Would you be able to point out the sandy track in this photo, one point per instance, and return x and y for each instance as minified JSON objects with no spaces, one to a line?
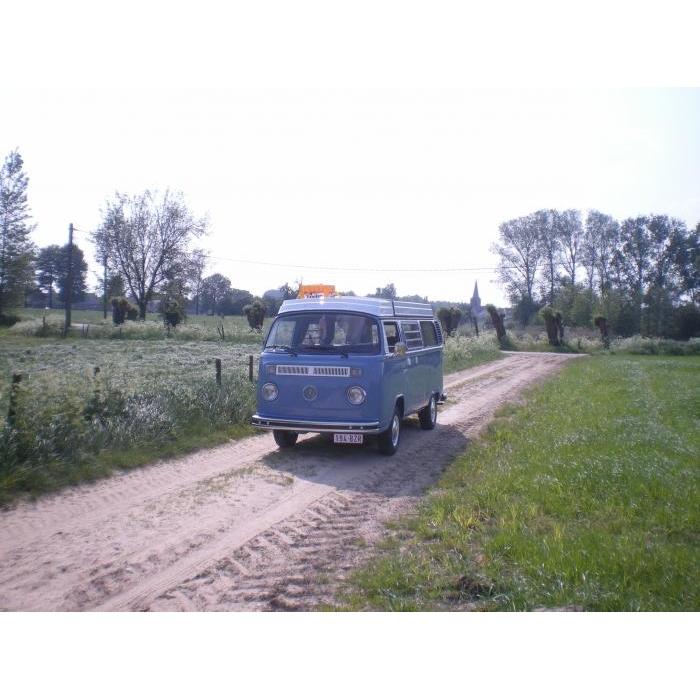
{"x":242,"y":526}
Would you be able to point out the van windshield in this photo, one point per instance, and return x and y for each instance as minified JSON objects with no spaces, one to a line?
{"x":325,"y":332}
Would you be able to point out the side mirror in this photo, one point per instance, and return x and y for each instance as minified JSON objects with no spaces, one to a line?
{"x":400,"y":349}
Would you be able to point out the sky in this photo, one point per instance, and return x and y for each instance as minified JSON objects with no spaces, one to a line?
{"x":318,"y":154}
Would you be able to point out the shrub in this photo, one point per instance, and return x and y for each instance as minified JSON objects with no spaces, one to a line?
{"x":173,"y":312}
{"x":637,"y":345}
{"x":255,"y":313}
{"x":122,"y":310}
{"x":8,"y":320}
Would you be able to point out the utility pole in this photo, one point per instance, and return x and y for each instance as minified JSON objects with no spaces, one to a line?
{"x":104,"y":279}
{"x":69,"y":282}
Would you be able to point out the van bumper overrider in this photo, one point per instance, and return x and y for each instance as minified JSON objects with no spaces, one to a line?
{"x":315,"y":426}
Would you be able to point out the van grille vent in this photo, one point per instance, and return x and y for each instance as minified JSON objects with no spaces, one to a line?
{"x":313,"y":371}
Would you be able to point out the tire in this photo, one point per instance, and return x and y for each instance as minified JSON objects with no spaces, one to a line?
{"x":285,"y":439}
{"x":428,"y":415}
{"x":390,"y":438}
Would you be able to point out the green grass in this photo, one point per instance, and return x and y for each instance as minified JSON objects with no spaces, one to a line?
{"x":90,"y":324}
{"x":585,"y":497}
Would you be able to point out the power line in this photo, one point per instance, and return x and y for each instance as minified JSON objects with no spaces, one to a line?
{"x":352,"y":269}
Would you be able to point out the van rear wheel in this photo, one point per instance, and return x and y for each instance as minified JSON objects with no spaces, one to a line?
{"x":428,"y":415}
{"x":389,"y":439}
{"x":285,"y":439}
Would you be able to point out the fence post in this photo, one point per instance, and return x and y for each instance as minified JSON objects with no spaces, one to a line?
{"x":14,"y":392}
{"x":217,"y":363}
{"x":250,"y":368}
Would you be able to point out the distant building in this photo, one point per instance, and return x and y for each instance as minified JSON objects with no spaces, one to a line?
{"x":475,"y":302}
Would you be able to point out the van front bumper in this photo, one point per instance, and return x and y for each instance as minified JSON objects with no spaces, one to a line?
{"x":315,"y":426}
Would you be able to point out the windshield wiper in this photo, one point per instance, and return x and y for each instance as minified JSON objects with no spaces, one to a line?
{"x":286,"y":348}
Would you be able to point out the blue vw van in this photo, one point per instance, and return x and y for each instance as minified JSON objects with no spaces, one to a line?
{"x":350,"y":366}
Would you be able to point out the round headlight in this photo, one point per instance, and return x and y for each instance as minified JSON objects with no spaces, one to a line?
{"x":269,"y":392}
{"x":356,"y":395}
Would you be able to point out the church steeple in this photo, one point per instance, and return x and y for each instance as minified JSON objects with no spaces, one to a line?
{"x":475,"y":300}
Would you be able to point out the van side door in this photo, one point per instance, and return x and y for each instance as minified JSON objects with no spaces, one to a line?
{"x":395,"y":372}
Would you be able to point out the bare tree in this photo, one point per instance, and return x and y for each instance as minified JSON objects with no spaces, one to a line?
{"x":146,"y":237}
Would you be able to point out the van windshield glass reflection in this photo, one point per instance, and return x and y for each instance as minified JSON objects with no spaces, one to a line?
{"x":325,"y":333}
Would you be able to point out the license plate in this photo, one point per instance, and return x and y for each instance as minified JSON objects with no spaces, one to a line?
{"x":348,"y":438}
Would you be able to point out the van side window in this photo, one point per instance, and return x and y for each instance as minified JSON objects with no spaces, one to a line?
{"x":429,"y":336}
{"x":391,"y":329}
{"x":411,"y":332}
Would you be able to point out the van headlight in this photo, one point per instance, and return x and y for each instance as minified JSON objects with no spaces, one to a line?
{"x":269,"y":391}
{"x":356,"y":395}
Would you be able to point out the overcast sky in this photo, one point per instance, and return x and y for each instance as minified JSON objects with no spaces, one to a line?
{"x":315,"y":140}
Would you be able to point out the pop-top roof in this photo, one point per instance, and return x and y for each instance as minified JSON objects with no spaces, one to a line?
{"x":366,"y":305}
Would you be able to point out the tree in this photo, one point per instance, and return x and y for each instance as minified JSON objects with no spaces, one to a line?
{"x":497,"y":319}
{"x":520,"y":252}
{"x":16,"y":248}
{"x":388,"y":292}
{"x":550,"y":248}
{"x":196,"y":265}
{"x":449,"y":318}
{"x":569,"y":233}
{"x":599,"y":242}
{"x":145,"y":237}
{"x":78,"y":273}
{"x":48,"y":269}
{"x":215,"y":290}
{"x":115,"y":286}
{"x":236,"y":301}
{"x":633,"y":259}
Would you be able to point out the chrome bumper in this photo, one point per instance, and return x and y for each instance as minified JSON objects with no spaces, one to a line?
{"x":314,"y":426}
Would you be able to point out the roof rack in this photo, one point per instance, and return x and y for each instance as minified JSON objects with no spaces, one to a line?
{"x":387,"y":308}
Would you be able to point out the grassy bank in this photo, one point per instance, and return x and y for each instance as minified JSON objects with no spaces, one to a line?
{"x":463,"y":352}
{"x":585,"y":497}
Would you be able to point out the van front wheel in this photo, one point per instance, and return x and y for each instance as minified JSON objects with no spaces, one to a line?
{"x":389,"y":439}
{"x":285,"y":439}
{"x":428,"y":415}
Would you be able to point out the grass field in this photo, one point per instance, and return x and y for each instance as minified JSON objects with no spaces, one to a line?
{"x":585,"y":497}
{"x":90,"y":324}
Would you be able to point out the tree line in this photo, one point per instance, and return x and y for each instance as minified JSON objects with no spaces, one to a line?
{"x":641,"y":274}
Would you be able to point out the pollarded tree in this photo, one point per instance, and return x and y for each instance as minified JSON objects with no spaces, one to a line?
{"x":16,"y":248}
{"x":145,"y":237}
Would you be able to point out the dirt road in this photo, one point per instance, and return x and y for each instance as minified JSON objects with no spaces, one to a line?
{"x":242,"y":526}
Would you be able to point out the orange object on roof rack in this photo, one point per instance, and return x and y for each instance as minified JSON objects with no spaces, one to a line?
{"x":313,"y":291}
